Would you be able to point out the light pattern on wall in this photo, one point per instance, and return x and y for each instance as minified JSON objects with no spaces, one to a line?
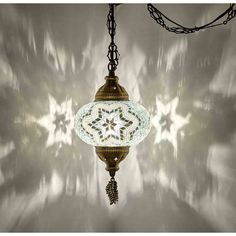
{"x":167,"y":122}
{"x":59,"y":122}
{"x":42,"y":193}
{"x":5,"y":150}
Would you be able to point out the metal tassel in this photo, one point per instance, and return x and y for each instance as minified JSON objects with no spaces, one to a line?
{"x":112,"y":191}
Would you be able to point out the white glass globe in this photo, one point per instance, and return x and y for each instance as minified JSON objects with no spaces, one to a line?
{"x":112,"y":123}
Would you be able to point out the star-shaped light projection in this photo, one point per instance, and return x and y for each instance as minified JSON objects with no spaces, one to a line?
{"x":167,"y":122}
{"x":59,"y":122}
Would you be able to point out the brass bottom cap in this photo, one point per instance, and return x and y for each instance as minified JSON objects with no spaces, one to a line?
{"x":112,"y":156}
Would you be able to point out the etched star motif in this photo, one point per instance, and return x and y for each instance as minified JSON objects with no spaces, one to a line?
{"x":110,"y":124}
{"x":59,"y":122}
{"x":167,"y":122}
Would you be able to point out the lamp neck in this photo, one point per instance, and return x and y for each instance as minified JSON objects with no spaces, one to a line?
{"x":111,"y":91}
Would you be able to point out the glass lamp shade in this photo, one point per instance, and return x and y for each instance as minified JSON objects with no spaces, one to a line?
{"x":112,"y":123}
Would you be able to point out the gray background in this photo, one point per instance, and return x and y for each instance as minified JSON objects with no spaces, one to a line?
{"x":57,"y":54}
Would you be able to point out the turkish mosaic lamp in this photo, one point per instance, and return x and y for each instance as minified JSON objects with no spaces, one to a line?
{"x":112,"y":123}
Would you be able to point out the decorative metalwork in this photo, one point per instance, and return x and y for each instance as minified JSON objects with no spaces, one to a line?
{"x":112,"y":156}
{"x":160,"y":18}
{"x":113,"y":54}
{"x":111,"y":90}
{"x":112,"y":191}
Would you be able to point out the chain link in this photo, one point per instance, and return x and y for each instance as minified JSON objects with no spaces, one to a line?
{"x":160,"y":18}
{"x":113,"y":54}
{"x":231,"y":14}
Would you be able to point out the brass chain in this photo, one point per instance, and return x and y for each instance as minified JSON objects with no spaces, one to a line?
{"x":113,"y":54}
{"x":160,"y":18}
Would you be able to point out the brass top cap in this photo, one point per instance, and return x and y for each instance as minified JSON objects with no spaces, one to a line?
{"x":111,"y":90}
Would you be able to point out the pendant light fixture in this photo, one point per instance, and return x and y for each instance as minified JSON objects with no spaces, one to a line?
{"x":112,"y":123}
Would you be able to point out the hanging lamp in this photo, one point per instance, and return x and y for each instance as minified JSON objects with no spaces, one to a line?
{"x":112,"y":123}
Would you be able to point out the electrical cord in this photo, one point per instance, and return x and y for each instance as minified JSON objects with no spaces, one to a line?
{"x":160,"y":18}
